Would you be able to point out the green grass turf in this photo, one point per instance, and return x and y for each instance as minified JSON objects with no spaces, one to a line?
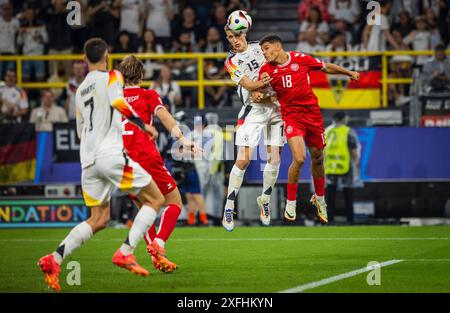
{"x":212,"y":260}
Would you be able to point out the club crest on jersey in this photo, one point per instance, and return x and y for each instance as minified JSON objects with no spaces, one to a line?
{"x":289,"y":130}
{"x":294,"y":67}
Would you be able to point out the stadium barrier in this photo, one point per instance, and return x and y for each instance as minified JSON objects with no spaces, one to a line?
{"x":201,"y":82}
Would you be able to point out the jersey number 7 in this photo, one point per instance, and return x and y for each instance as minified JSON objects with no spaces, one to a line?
{"x":90,"y":102}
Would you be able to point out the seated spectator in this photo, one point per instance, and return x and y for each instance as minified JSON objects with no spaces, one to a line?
{"x":168,"y":90}
{"x":124,"y":44}
{"x":188,"y":23}
{"x":310,"y":43}
{"x":58,"y":76}
{"x":48,"y":113}
{"x":158,"y":16}
{"x":214,"y":69}
{"x":315,"y":22}
{"x":32,"y":38}
{"x":436,"y":72}
{"x":78,"y":75}
{"x":219,"y":20}
{"x":9,"y":26}
{"x":59,"y":34}
{"x":184,"y":69}
{"x":304,"y":7}
{"x":404,"y":24}
{"x":149,"y":45}
{"x":341,"y":26}
{"x":346,"y":10}
{"x":233,"y":5}
{"x":338,"y":44}
{"x":13,"y":100}
{"x":131,"y":18}
{"x":420,"y":39}
{"x":102,"y":16}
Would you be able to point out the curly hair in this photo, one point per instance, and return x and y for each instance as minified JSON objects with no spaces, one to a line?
{"x":132,"y":69}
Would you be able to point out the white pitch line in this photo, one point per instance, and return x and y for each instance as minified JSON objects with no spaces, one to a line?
{"x":252,"y":239}
{"x":333,"y":279}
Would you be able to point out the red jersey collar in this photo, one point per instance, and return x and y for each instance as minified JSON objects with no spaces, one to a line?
{"x":287,"y":62}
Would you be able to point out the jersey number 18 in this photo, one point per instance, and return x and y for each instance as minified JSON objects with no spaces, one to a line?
{"x":287,"y":81}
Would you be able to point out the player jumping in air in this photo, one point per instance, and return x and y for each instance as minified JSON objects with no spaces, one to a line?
{"x":141,"y":148}
{"x":300,"y":109}
{"x":243,"y":64}
{"x":100,"y":103}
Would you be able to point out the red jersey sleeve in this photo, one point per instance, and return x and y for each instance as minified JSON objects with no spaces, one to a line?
{"x":154,"y":102}
{"x":311,"y":63}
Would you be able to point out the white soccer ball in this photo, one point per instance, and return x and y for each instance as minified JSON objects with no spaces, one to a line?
{"x":239,"y":21}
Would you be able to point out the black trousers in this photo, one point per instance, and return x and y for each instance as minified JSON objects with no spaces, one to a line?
{"x":331,"y":202}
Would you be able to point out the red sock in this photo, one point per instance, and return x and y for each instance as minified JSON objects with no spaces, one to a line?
{"x":150,"y":235}
{"x":168,"y":221}
{"x":292,"y":191}
{"x":319,"y":185}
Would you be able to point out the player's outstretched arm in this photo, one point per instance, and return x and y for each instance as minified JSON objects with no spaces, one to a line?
{"x":331,"y":68}
{"x":171,"y":126}
{"x":251,"y":85}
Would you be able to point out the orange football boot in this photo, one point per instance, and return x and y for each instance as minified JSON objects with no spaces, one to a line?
{"x":129,"y":262}
{"x":159,"y":259}
{"x":51,"y":270}
{"x":203,"y":219}
{"x":191,"y":218}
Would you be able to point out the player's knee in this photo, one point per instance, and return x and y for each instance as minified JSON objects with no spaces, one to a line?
{"x":299,"y":160}
{"x":318,"y":160}
{"x":98,"y":223}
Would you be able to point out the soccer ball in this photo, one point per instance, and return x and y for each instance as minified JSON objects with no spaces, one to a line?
{"x":239,"y":21}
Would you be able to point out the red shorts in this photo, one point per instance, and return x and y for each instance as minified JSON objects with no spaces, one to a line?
{"x":306,"y":122}
{"x":155,"y":166}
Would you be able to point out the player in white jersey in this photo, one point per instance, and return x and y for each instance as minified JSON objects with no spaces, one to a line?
{"x":243,"y":64}
{"x":99,"y":101}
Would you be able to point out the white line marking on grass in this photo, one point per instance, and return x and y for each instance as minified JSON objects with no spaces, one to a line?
{"x":333,"y":279}
{"x":251,"y":239}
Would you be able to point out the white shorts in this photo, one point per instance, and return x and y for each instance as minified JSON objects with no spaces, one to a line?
{"x":254,"y":119}
{"x":99,"y":179}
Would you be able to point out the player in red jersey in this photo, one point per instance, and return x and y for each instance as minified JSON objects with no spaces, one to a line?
{"x":141,"y":148}
{"x":301,"y":115}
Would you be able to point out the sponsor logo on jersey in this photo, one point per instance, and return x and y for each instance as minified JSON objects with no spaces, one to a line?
{"x":240,"y":62}
{"x":294,"y":67}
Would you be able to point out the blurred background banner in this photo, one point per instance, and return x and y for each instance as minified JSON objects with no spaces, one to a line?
{"x":387,"y":154}
{"x":17,"y":152}
{"x":66,"y":145}
{"x":337,"y":92}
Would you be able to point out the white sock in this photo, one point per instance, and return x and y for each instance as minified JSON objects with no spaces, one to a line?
{"x":77,"y":236}
{"x":320,"y":197}
{"x":234,"y":184}
{"x":291,"y":203}
{"x":143,"y":220}
{"x":269,"y":179}
{"x":160,"y":242}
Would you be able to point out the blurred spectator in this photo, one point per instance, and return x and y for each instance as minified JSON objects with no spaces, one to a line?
{"x":346,"y":10}
{"x":131,"y":18}
{"x":436,"y":72}
{"x":420,"y":39}
{"x":59,"y":34}
{"x":13,"y":100}
{"x":305,"y":6}
{"x":48,"y":113}
{"x":102,"y":15}
{"x":168,"y":90}
{"x":433,"y":28}
{"x":203,"y":10}
{"x":9,"y":26}
{"x":58,"y":76}
{"x":338,"y":44}
{"x":233,"y":5}
{"x":32,"y":37}
{"x":310,"y":43}
{"x":184,"y":69}
{"x":189,"y":24}
{"x":159,"y":14}
{"x":78,"y":75}
{"x":214,"y":68}
{"x":375,"y":36}
{"x":123,"y":44}
{"x":400,"y":67}
{"x":410,"y":6}
{"x":404,"y":24}
{"x":341,"y":26}
{"x":149,"y":45}
{"x":315,"y":22}
{"x":80,"y":33}
{"x":219,"y":20}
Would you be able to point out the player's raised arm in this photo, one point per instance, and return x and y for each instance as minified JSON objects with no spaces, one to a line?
{"x":331,"y":68}
{"x":240,"y":78}
{"x":118,"y":102}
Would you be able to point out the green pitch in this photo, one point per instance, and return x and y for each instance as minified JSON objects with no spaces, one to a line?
{"x":250,"y":259}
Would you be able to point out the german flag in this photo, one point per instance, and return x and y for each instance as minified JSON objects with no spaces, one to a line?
{"x":338,"y":92}
{"x":17,"y":153}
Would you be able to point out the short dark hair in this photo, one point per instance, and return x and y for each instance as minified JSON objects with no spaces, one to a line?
{"x":439,"y":47}
{"x":271,"y":38}
{"x":339,"y":116}
{"x":95,"y":49}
